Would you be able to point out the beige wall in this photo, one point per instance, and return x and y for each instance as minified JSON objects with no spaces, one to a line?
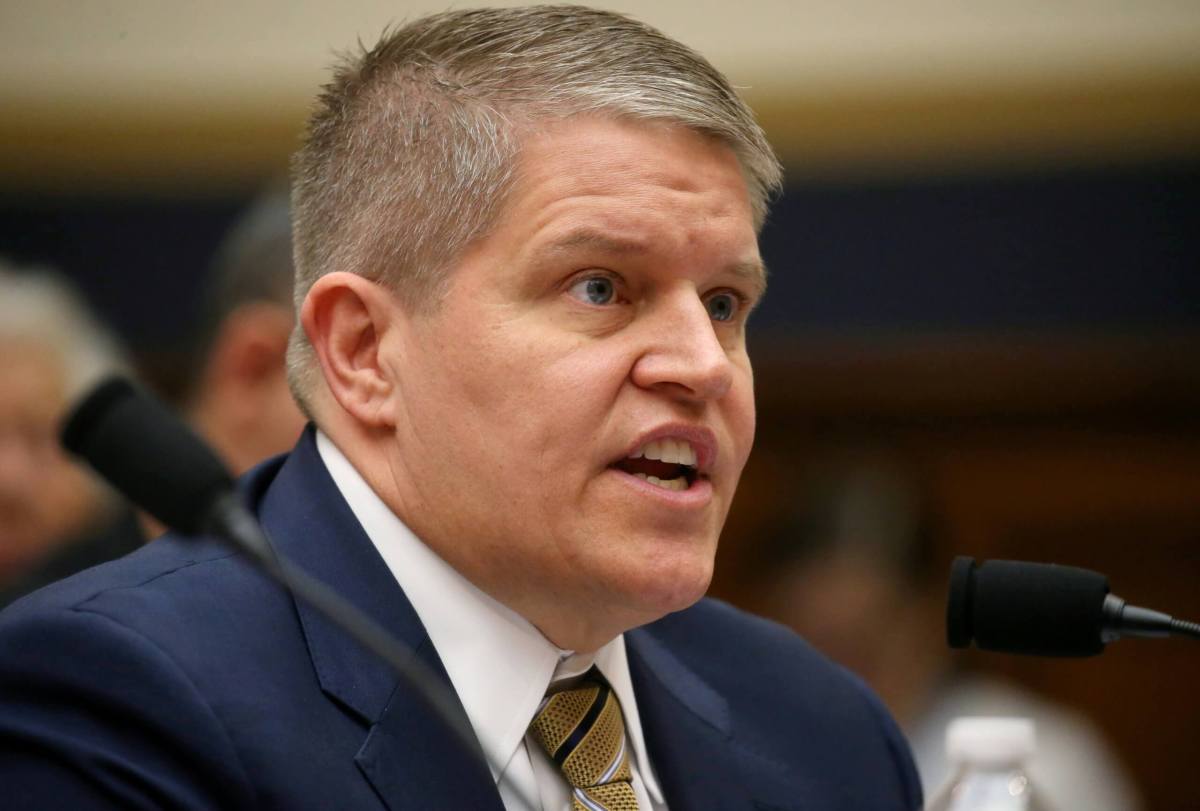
{"x":211,"y":94}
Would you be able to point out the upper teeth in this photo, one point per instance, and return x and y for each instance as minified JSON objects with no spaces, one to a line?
{"x":672,"y":451}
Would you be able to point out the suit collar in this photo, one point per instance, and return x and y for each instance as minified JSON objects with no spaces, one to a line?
{"x":499,"y":663}
{"x":310,"y":524}
{"x":687,"y":728}
{"x":408,"y":756}
{"x":691,"y":736}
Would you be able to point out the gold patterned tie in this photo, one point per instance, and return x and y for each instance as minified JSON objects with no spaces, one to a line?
{"x":582,"y":731}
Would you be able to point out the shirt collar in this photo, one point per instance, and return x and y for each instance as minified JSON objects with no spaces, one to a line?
{"x":613,"y":664}
{"x":499,"y":663}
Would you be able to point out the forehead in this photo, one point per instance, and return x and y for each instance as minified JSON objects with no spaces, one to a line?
{"x":591,"y":154}
{"x":631,"y":188}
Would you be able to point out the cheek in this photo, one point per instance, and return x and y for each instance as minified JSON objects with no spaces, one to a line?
{"x":567,"y":410}
{"x":580,"y":387}
{"x":740,"y":415}
{"x":554,"y":378}
{"x":525,"y":403}
{"x":495,"y":412}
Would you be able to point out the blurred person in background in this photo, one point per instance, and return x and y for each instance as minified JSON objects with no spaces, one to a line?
{"x":857,"y":574}
{"x":51,"y":351}
{"x":236,"y":397}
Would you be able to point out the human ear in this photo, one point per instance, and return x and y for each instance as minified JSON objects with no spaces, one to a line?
{"x":348,"y":319}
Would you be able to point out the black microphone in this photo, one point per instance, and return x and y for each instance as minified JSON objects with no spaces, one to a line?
{"x":147,"y":453}
{"x":142,"y":449}
{"x":1044,"y":609}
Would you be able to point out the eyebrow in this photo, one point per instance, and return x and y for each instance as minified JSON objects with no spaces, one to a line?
{"x":587,"y":238}
{"x":751,"y":270}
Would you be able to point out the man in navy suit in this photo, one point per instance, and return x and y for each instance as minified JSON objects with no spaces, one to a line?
{"x":526,"y":249}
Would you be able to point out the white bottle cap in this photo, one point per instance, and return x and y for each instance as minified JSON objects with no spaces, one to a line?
{"x":990,"y":741}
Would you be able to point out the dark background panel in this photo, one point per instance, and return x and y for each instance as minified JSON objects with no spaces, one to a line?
{"x":138,"y":261}
{"x":1098,"y":249}
{"x":1094,"y":249}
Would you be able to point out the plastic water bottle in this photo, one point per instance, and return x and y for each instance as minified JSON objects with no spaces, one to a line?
{"x":988,"y":757}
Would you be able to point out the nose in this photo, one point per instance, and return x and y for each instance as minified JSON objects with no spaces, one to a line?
{"x":683,"y":356}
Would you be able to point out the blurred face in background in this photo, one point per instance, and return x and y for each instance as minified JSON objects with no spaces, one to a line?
{"x":44,"y":497}
{"x":244,"y":407}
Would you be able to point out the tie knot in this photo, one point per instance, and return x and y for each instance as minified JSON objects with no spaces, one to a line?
{"x":582,"y":731}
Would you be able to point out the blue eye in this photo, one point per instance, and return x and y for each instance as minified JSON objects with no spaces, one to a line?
{"x":597,"y":290}
{"x":722,"y":306}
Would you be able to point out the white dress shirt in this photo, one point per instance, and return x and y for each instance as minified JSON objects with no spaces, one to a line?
{"x":499,"y":663}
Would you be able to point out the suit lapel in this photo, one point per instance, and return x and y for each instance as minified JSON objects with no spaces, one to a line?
{"x":693,"y":743}
{"x":688,"y":730}
{"x":413,"y":761}
{"x":408,"y":756}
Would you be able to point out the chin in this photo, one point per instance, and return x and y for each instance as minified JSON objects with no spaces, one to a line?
{"x":671,"y":585}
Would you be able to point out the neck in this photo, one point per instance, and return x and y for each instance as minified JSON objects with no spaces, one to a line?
{"x":579,"y":639}
{"x":566,"y":620}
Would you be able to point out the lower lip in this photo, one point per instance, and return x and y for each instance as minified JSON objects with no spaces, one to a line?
{"x":697,"y":495}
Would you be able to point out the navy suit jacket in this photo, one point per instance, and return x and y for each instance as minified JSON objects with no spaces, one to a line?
{"x":179,"y":677}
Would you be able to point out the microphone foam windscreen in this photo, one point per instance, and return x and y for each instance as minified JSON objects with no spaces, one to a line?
{"x":1033,"y":608}
{"x":143,"y":450}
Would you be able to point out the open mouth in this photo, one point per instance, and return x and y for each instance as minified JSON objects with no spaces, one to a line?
{"x":666,"y":463}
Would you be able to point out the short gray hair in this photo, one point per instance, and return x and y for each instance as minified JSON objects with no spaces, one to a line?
{"x":411,"y":149}
{"x":41,"y":308}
